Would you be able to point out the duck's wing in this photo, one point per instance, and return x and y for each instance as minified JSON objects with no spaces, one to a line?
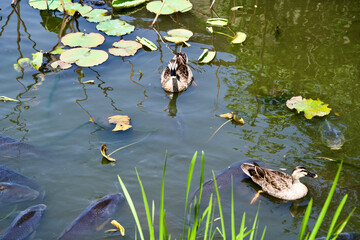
{"x":166,"y":74}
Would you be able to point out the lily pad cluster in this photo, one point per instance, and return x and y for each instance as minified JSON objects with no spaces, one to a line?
{"x":310,"y":107}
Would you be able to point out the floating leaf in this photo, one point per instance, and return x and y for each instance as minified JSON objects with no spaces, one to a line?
{"x":97,"y":15}
{"x":7,"y":99}
{"x":103,"y":150}
{"x":60,"y":64}
{"x":170,"y":6}
{"x":310,"y":107}
{"x":45,"y":4}
{"x":122,"y":122}
{"x":237,"y":8}
{"x":72,"y":8}
{"x":147,"y":43}
{"x":89,"y":82}
{"x":239,"y":38}
{"x":37,"y":60}
{"x":178,"y":35}
{"x":23,"y":63}
{"x":125,"y":48}
{"x":115,"y":27}
{"x":58,"y":50}
{"x":207,"y":56}
{"x":84,"y":57}
{"x":210,"y":29}
{"x":121,"y":4}
{"x":218,"y":22}
{"x":118,"y":226}
{"x":80,"y":39}
{"x":233,"y":117}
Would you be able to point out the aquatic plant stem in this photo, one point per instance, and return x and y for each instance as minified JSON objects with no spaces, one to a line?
{"x":218,"y":129}
{"x":129,"y":145}
{"x":157,"y":15}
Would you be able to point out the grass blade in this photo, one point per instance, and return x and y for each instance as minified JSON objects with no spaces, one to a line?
{"x":305,"y":219}
{"x":132,"y":207}
{"x":146,"y":206}
{"x":336,"y":216}
{"x":220,"y":209}
{"x":232,"y":210}
{"x":161,"y":220}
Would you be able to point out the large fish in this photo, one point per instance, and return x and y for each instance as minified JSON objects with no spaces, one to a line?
{"x":12,"y":149}
{"x":331,"y":136}
{"x":10,"y":176}
{"x":93,"y":218}
{"x":345,"y":236}
{"x":13,"y":193}
{"x":25,"y":224}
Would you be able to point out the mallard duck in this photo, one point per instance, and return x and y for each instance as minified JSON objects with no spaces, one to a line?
{"x":279,"y":184}
{"x":177,"y":76}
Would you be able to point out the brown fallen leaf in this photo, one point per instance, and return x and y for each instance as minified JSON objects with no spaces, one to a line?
{"x":122,"y":122}
{"x":118,"y":226}
{"x":103,"y":150}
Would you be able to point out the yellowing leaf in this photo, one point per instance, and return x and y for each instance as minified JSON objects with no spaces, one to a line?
{"x":122,"y":122}
{"x":310,"y":107}
{"x":233,"y":117}
{"x":103,"y":150}
{"x":5,"y":99}
{"x":118,"y":226}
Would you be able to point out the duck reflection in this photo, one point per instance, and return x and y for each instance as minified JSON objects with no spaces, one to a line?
{"x":172,"y":109}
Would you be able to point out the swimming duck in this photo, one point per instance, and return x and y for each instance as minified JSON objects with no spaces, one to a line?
{"x":177,"y":76}
{"x":279,"y":184}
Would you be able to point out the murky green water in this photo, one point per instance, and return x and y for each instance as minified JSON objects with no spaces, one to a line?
{"x":315,"y":54}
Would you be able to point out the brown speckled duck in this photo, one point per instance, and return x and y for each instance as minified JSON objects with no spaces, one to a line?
{"x":279,"y":184}
{"x":177,"y":76}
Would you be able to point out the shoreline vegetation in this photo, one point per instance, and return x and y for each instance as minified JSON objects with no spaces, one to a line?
{"x":201,"y":224}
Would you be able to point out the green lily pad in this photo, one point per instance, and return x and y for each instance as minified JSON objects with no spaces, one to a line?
{"x":310,"y":107}
{"x":147,"y":43}
{"x":115,"y":27}
{"x":97,"y":15}
{"x":207,"y":56}
{"x":58,"y":50}
{"x":7,"y":99}
{"x":170,"y":6}
{"x":121,"y":4}
{"x":125,"y":48}
{"x":37,"y":60}
{"x":60,"y":64}
{"x":239,"y":38}
{"x":84,"y":57}
{"x":218,"y":22}
{"x":23,"y":63}
{"x":178,"y":35}
{"x":42,"y":5}
{"x":80,"y":39}
{"x":72,"y":8}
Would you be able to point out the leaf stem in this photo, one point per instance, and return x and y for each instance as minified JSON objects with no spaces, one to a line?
{"x":129,"y":145}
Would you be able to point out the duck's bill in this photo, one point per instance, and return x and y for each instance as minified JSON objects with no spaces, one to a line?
{"x":313,"y":175}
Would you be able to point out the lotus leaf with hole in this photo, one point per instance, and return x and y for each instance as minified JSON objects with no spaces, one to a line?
{"x":170,"y":6}
{"x":217,"y":22}
{"x":121,"y":4}
{"x":178,"y":35}
{"x":115,"y":27}
{"x":80,"y":39}
{"x":72,"y":8}
{"x":310,"y":107}
{"x":84,"y":57}
{"x":239,"y":38}
{"x":125,"y":48}
{"x":147,"y":43}
{"x":207,"y":56}
{"x":97,"y":15}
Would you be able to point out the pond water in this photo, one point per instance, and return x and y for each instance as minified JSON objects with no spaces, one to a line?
{"x":314,"y":54}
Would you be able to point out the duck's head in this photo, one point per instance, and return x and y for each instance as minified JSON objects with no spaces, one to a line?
{"x":181,"y":57}
{"x":172,"y":66}
{"x":299,"y":172}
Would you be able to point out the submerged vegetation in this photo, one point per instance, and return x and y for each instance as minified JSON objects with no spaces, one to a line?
{"x":202,"y":223}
